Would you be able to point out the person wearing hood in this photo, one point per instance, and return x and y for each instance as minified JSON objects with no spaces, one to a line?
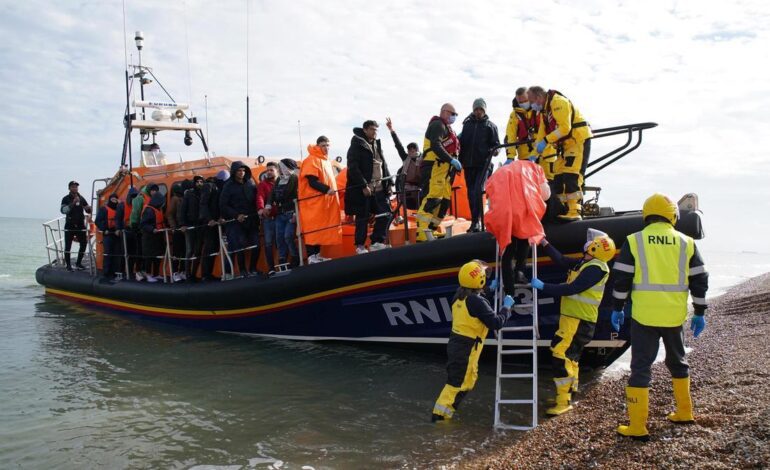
{"x":174,"y":221}
{"x":477,"y":139}
{"x":237,"y":205}
{"x":281,"y":200}
{"x":133,"y":249}
{"x":74,"y":207}
{"x":209,"y":216}
{"x":410,"y":169}
{"x":192,"y":226}
{"x":152,"y":225}
{"x":319,"y":203}
{"x":137,"y":207}
{"x":109,"y":220}
{"x":440,"y":151}
{"x":267,"y":214}
{"x":368,"y":187}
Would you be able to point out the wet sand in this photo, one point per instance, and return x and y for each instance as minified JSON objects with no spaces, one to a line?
{"x":730,"y":370}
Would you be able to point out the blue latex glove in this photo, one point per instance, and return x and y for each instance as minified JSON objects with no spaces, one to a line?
{"x":508,"y":301}
{"x":537,"y":283}
{"x":456,"y":164}
{"x":541,"y":146}
{"x":617,"y":319}
{"x":533,"y":158}
{"x":697,"y":325}
{"x":493,"y":284}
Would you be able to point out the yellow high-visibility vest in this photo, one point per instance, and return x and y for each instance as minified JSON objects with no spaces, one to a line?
{"x":661,"y":274}
{"x":585,"y":305}
{"x":464,"y":324}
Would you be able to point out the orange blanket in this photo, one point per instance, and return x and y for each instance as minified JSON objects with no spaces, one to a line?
{"x":319,"y":214}
{"x":516,"y":203}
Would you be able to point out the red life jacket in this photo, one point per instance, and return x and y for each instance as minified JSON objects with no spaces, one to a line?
{"x":450,"y":143}
{"x":159,"y":224}
{"x":527,"y":126}
{"x":111,"y":215}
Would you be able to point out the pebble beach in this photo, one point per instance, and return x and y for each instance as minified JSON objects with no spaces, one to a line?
{"x":730,"y":384}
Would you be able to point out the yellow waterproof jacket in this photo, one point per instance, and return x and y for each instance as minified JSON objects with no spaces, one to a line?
{"x":585,"y":305}
{"x":465,"y":324}
{"x":661,"y":275}
{"x":562,"y":120}
{"x":521,"y":126}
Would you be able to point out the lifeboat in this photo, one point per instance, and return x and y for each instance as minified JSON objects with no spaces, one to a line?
{"x":397,"y":295}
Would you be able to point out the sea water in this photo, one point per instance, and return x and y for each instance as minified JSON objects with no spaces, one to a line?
{"x":81,"y":388}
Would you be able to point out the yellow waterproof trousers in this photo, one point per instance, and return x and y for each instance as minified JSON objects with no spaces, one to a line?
{"x":462,"y":373}
{"x":436,"y":203}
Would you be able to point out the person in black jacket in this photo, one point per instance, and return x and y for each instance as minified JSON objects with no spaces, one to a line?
{"x":109,"y":220}
{"x":209,"y":215}
{"x":237,"y":203}
{"x":368,"y":187}
{"x":74,"y":207}
{"x":192,"y":226}
{"x":477,"y":139}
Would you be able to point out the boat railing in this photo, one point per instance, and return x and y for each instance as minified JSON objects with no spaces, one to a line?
{"x":632,"y":131}
{"x":55,"y":232}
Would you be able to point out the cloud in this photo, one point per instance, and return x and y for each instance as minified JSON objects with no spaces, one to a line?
{"x":691,"y":67}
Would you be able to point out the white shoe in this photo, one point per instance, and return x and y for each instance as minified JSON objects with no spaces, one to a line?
{"x":361,"y":249}
{"x":151,"y":278}
{"x":183,"y":276}
{"x":139,"y":276}
{"x":378,"y":246}
{"x":176,"y":277}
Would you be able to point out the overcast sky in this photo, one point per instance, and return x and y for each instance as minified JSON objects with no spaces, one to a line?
{"x":699,"y":69}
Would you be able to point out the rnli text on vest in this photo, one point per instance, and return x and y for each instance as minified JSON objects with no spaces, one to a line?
{"x":661,"y":240}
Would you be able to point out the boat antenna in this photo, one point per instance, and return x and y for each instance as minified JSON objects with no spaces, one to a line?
{"x":206,"y":107}
{"x":299,"y":132}
{"x":139,"y":39}
{"x":127,"y":138}
{"x":187,"y":46}
{"x":247,"y":78}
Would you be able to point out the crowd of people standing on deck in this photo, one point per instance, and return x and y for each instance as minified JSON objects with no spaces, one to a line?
{"x":544,"y":126}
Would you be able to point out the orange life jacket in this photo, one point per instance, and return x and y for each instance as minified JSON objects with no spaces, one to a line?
{"x":111,"y":216}
{"x":159,"y":224}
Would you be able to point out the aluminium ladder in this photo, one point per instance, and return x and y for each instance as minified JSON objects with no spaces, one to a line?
{"x":531,"y":349}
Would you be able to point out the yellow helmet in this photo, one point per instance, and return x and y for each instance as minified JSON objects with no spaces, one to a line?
{"x":473,"y":274}
{"x":602,"y":248}
{"x":662,"y":205}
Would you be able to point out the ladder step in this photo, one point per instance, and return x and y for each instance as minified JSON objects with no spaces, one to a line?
{"x":514,"y":428}
{"x":516,"y":376}
{"x":516,"y":328}
{"x":516,"y":402}
{"x":517,"y":351}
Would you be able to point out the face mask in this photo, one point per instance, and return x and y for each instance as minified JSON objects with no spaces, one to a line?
{"x":525,"y":105}
{"x":537,"y":107}
{"x":452,"y":118}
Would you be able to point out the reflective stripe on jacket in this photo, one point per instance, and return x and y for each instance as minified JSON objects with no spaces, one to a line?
{"x":466,"y":325}
{"x":585,"y":305}
{"x":661,"y":270}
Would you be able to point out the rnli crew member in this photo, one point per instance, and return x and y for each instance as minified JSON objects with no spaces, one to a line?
{"x":477,"y":139}
{"x":522,"y":127}
{"x":137,"y":207}
{"x":109,"y":220}
{"x":193,"y":227}
{"x":267,"y":215}
{"x":174,"y":221}
{"x":410,"y":168}
{"x":319,"y":203}
{"x":441,"y":148}
{"x":237,"y":204}
{"x":209,"y":215}
{"x":658,"y":266}
{"x":74,"y":207}
{"x":563,"y":127}
{"x":281,"y":200}
{"x":580,"y":299}
{"x":368,"y":187}
{"x":152,"y":226}
{"x":472,"y":318}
